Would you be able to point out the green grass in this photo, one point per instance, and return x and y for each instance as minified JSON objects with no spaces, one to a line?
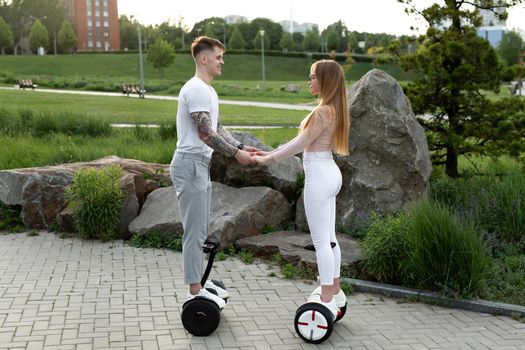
{"x":120,"y":68}
{"x":144,"y":144}
{"x":134,"y":110}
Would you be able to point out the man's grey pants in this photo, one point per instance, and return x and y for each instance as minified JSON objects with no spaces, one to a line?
{"x":190,"y":174}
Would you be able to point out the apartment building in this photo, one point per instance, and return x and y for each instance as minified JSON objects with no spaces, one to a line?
{"x":96,"y":24}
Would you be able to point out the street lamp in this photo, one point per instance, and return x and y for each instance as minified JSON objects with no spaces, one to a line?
{"x":141,"y":63}
{"x":261,"y":32}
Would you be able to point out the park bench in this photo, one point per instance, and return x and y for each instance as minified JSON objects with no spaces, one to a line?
{"x":26,"y":84}
{"x":293,"y":88}
{"x":133,"y":89}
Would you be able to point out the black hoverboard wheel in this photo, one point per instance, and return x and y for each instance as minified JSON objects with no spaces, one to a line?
{"x":200,"y":316}
{"x":313,"y":323}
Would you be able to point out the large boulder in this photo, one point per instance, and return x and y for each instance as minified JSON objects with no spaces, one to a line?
{"x":282,"y":176}
{"x":236,"y":212}
{"x":40,"y":192}
{"x":389,"y":164}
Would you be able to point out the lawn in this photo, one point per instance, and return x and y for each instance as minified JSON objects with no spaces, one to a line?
{"x":241,"y":77}
{"x":133,"y":110}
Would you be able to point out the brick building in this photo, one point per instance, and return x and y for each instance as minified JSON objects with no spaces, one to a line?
{"x":96,"y":24}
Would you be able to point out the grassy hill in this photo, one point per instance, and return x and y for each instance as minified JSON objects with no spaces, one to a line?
{"x":107,"y":71}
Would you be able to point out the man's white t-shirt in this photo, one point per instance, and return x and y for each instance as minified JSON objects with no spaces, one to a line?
{"x":195,"y":96}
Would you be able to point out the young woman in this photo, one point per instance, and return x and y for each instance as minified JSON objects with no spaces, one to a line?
{"x":324,"y":130}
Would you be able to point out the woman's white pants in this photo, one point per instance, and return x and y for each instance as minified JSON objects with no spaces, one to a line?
{"x":323,"y":181}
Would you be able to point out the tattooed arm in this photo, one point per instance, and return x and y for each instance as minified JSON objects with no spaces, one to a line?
{"x":226,"y":135}
{"x":203,"y":123}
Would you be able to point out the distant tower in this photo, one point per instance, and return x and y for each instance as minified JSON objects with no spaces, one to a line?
{"x":96,"y":24}
{"x":492,"y":28}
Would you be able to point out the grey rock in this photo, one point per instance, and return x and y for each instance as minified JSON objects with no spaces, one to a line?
{"x":40,"y":192}
{"x":236,"y":212}
{"x":290,"y":246}
{"x":281,"y":176}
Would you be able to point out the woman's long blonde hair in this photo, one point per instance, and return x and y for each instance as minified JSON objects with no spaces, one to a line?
{"x":332,"y":92}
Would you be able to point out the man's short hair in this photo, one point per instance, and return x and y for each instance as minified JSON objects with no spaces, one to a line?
{"x":205,"y":43}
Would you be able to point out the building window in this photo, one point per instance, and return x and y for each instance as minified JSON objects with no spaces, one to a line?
{"x":97,"y":2}
{"x":106,"y":24}
{"x":97,"y":23}
{"x":89,"y":23}
{"x":106,"y":3}
{"x":88,"y":3}
{"x":99,"y":44}
{"x":106,"y":14}
{"x":90,"y":43}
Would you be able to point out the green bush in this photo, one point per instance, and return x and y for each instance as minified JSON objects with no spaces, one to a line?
{"x":95,"y":199}
{"x":494,"y":202}
{"x":10,"y":218}
{"x":445,"y":253}
{"x":505,"y":281}
{"x":385,"y":248}
{"x":501,"y":206}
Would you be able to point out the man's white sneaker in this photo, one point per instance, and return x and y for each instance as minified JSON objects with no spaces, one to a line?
{"x":316,"y":298}
{"x":208,"y":295}
{"x":340,"y":298}
{"x":223,"y":293}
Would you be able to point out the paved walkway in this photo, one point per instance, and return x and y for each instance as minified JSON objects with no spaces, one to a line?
{"x":74,"y":294}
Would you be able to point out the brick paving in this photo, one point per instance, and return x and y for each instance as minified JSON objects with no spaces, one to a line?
{"x":69,"y":293}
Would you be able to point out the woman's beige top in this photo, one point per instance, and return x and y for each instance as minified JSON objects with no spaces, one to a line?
{"x":317,"y":137}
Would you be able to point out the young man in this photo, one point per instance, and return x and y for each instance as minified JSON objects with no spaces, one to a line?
{"x":200,"y":133}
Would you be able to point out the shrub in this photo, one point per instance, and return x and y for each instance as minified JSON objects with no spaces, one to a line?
{"x":496,"y":202}
{"x":385,"y":248}
{"x":10,"y":218}
{"x":501,"y":206}
{"x":444,"y":252}
{"x":95,"y":199}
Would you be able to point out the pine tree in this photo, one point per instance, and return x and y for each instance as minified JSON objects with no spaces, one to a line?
{"x":453,"y":68}
{"x":66,"y":36}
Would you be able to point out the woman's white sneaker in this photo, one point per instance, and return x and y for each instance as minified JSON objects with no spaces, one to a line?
{"x":340,"y":298}
{"x":208,"y":295}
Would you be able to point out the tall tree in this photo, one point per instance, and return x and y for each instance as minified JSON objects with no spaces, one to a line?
{"x":273,"y":31}
{"x":6,"y":36}
{"x":128,"y":33}
{"x":312,"y":41}
{"x":453,"y":66}
{"x":38,"y":36}
{"x":66,"y":37}
{"x":511,"y":47}
{"x":236,"y":40}
{"x":162,"y":55}
{"x":287,"y":42}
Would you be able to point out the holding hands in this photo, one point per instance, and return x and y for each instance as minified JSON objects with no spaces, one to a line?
{"x":262,"y":157}
{"x":253,"y":156}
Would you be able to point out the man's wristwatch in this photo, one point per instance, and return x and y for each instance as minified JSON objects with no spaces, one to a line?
{"x":240,"y":146}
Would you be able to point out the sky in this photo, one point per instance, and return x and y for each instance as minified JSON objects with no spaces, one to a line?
{"x":373,"y":16}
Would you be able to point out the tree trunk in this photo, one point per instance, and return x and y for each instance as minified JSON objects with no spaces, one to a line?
{"x":451,"y":166}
